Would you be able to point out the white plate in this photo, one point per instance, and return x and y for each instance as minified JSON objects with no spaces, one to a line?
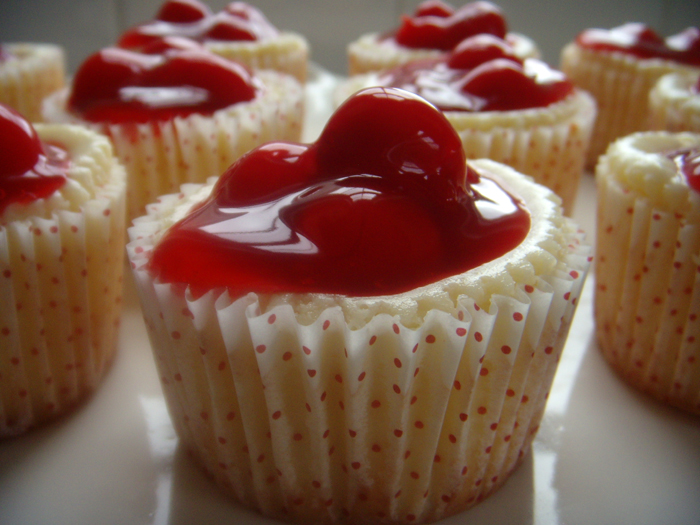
{"x":605,"y":454}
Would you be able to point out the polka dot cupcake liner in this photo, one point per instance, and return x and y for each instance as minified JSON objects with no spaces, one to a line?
{"x":620,"y":85}
{"x":673,"y":106}
{"x":160,"y":156}
{"x":325,"y":420}
{"x":548,"y":144}
{"x":32,"y":73}
{"x":60,"y":283}
{"x":647,"y":299}
{"x":287,"y":53}
{"x":369,"y":54}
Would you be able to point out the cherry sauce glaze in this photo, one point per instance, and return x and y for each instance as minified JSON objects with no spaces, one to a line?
{"x":383,"y":202}
{"x":29,"y":169}
{"x":688,"y":164}
{"x":437,"y":25}
{"x":481,"y":74}
{"x":641,"y":41}
{"x":192,"y":19}
{"x":171,"y":77}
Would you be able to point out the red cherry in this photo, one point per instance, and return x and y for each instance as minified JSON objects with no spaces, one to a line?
{"x":231,"y":29}
{"x":406,"y":136}
{"x":434,"y":8}
{"x":478,"y":49}
{"x":21,"y":146}
{"x":182,"y":11}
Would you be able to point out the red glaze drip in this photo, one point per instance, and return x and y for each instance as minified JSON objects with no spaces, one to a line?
{"x":688,"y":163}
{"x":643,"y":42}
{"x":381,"y":203}
{"x":29,"y":169}
{"x":193,"y":19}
{"x":116,"y":85}
{"x":481,"y":74}
{"x":437,"y":25}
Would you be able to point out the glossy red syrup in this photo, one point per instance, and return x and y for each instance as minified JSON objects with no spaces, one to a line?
{"x":437,"y":25}
{"x":481,"y":74}
{"x":193,"y":19}
{"x":643,"y":42}
{"x":381,"y":203}
{"x":29,"y":169}
{"x":688,"y":163}
{"x":116,"y":85}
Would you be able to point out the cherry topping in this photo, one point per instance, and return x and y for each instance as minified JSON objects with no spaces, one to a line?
{"x":643,"y":42}
{"x":436,"y":25}
{"x":192,"y":19}
{"x":117,"y":85}
{"x":182,"y":11}
{"x":381,"y":203}
{"x":481,"y":74}
{"x":27,"y":171}
{"x":688,"y":163}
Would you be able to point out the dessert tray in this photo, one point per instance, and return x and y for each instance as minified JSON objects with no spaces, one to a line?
{"x":604,"y":454}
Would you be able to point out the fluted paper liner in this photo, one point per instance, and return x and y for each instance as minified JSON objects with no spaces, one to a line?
{"x":159,"y":156}
{"x":287,"y":53}
{"x":60,"y":283}
{"x":389,"y":421}
{"x":549,"y":144}
{"x":647,"y":299}
{"x":673,"y":105}
{"x":369,"y":53}
{"x":33,"y":73}
{"x":620,"y":84}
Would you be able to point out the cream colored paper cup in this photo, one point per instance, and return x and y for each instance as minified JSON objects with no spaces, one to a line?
{"x":61,"y":263}
{"x":647,"y":299}
{"x":408,"y":408}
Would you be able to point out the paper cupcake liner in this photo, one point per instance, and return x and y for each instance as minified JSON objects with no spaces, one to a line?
{"x":548,"y":144}
{"x":37,"y":71}
{"x":159,"y":156}
{"x":647,"y":301}
{"x":620,"y":84}
{"x":672,"y":104}
{"x":369,"y":54}
{"x":287,"y":53}
{"x":60,"y":280}
{"x":324,"y":422}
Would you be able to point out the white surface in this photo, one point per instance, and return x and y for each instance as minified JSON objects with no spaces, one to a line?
{"x":605,"y":454}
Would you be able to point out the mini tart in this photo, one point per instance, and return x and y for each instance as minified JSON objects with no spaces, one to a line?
{"x":674,"y":105}
{"x":647,"y":299}
{"x":32,"y":72}
{"x":159,"y":156}
{"x":287,"y":53}
{"x":370,"y":53}
{"x":407,"y":408}
{"x":620,"y":83}
{"x":61,"y":263}
{"x":549,"y":144}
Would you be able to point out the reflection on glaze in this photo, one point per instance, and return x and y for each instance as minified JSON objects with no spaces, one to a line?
{"x":172,"y":78}
{"x":688,"y":163}
{"x":381,"y":203}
